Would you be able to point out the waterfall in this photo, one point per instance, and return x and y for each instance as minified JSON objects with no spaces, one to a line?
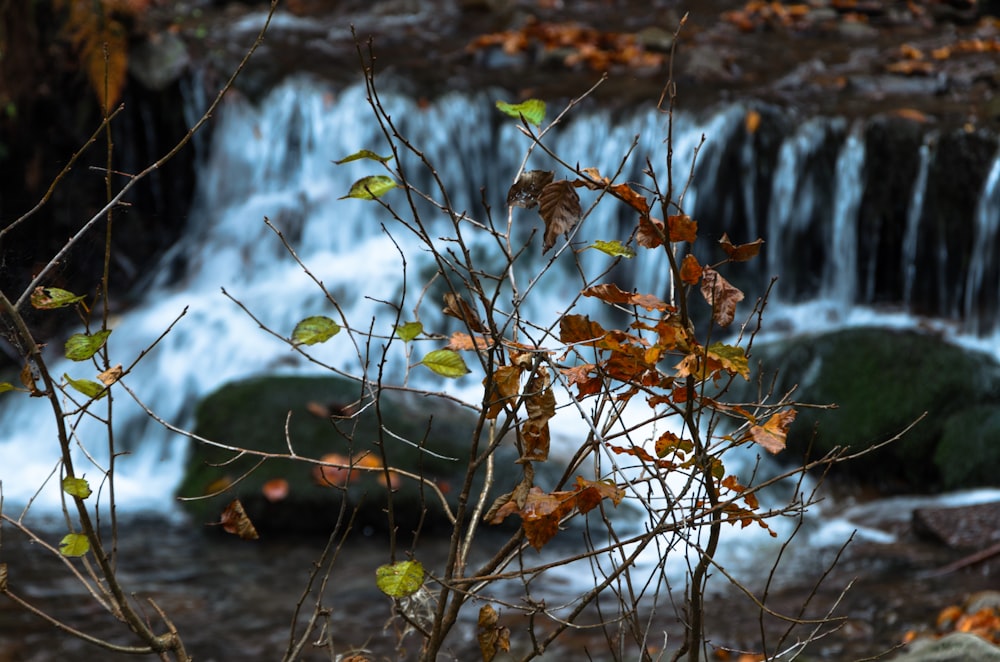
{"x":274,"y":159}
{"x":983,"y":280}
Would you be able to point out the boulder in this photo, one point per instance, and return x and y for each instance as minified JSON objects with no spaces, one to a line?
{"x":881,"y":381}
{"x":425,"y":435}
{"x":962,"y":527}
{"x":957,"y":647}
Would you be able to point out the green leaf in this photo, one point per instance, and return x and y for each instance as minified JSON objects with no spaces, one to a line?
{"x":74,"y":544}
{"x":6,"y":386}
{"x":47,"y":298}
{"x":409,"y":331}
{"x":369,"y":188}
{"x":446,"y":363}
{"x":532,"y":110}
{"x":77,"y":487}
{"x":400,"y":580}
{"x":81,"y":347}
{"x":87,"y":387}
{"x":313,"y":330}
{"x":363,"y":154}
{"x":613,"y":248}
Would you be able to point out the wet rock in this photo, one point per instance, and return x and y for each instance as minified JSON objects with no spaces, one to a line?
{"x":159,"y":60}
{"x":964,"y":527}
{"x":958,"y":647}
{"x":325,"y":418}
{"x":883,"y":380}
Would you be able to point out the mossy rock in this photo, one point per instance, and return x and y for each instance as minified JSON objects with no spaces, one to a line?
{"x":252,"y":414}
{"x":969,"y":451}
{"x":881,"y":381}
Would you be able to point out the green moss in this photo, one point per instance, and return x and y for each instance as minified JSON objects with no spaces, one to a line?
{"x":969,"y":452}
{"x":881,"y":381}
{"x":252,"y":414}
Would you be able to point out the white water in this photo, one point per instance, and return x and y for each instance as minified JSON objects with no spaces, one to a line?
{"x":274,"y":161}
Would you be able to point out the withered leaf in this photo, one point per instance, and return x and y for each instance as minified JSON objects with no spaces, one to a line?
{"x":690,"y":270}
{"x":611,"y":293}
{"x":650,"y":233}
{"x":742,"y":252}
{"x":504,"y":385}
{"x":542,"y":513}
{"x":492,"y":636}
{"x":579,"y":329}
{"x":682,"y":228}
{"x":455,"y":306}
{"x":773,"y":433}
{"x":111,"y":375}
{"x":525,"y":191}
{"x":721,"y":295}
{"x":540,"y":402}
{"x":234,"y":520}
{"x":559,"y":207}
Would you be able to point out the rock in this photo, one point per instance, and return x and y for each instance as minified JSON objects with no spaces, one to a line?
{"x":964,"y":527}
{"x":252,"y":414}
{"x":159,"y":60}
{"x":957,"y":647}
{"x":881,"y":381}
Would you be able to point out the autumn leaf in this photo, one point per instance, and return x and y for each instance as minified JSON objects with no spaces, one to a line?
{"x":559,"y":207}
{"x":111,"y":375}
{"x":670,"y":444}
{"x":611,"y":293}
{"x":690,"y":270}
{"x":525,"y":191}
{"x":751,"y":122}
{"x":583,"y":377}
{"x":731,"y":357}
{"x":740,"y":253}
{"x":650,"y":233}
{"x":234,"y":520}
{"x":540,"y":403}
{"x":574,"y":329}
{"x":722,"y":296}
{"x":463,"y":342}
{"x":773,"y":433}
{"x":682,"y":228}
{"x":542,"y":513}
{"x":455,"y":306}
{"x":102,"y":45}
{"x":504,"y":385}
{"x":492,"y":636}
{"x":333,"y":476}
{"x":275,"y":490}
{"x":590,"y":493}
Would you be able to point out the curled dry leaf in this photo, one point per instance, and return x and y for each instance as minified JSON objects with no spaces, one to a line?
{"x":682,"y":227}
{"x":721,"y":295}
{"x":650,"y":233}
{"x":111,"y":375}
{"x":525,"y":191}
{"x":455,"y":306}
{"x":559,"y":207}
{"x":492,"y":636}
{"x":540,"y":403}
{"x":773,"y":433}
{"x":234,"y":520}
{"x":742,"y":252}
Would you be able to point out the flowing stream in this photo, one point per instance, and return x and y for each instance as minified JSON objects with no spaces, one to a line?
{"x":804,"y":195}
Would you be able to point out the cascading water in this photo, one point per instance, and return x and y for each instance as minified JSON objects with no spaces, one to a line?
{"x":274,"y":160}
